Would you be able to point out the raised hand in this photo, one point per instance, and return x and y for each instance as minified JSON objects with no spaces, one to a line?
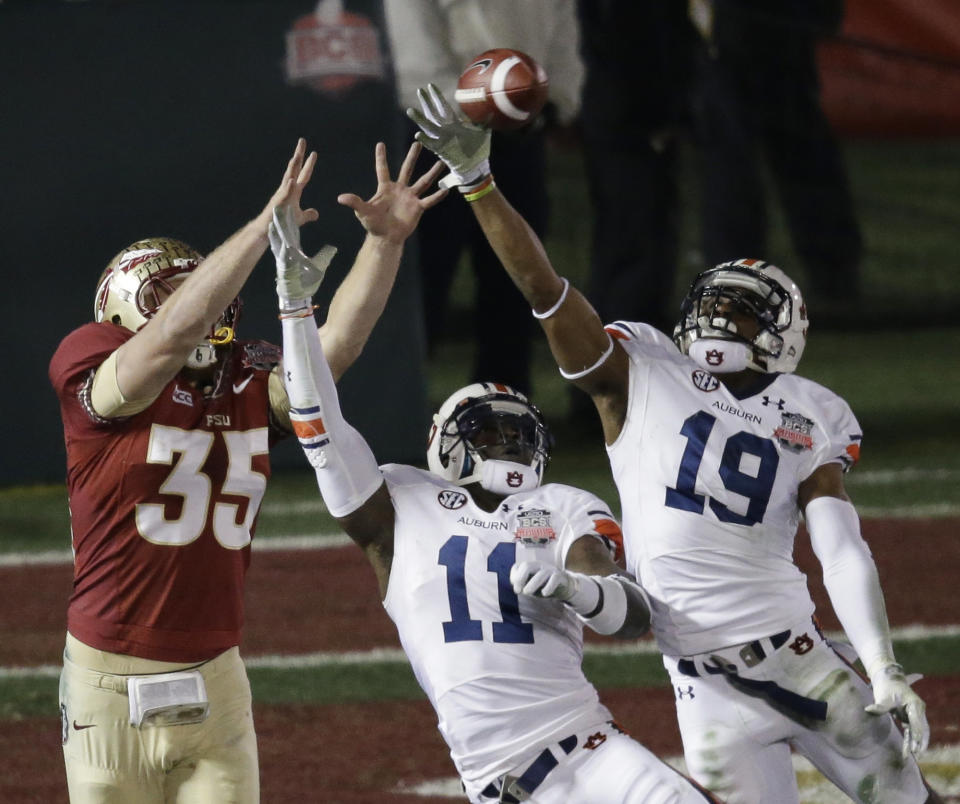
{"x":394,"y":210}
{"x":289,"y":193}
{"x":298,"y":276}
{"x":463,"y":146}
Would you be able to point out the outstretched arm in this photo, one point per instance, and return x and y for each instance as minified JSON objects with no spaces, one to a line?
{"x":851,"y":579}
{"x":347,"y":472}
{"x":390,"y":217}
{"x":152,"y":357}
{"x":584,"y":351}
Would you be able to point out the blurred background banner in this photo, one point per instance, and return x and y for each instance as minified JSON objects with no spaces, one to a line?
{"x":130,"y":120}
{"x":894,"y":69}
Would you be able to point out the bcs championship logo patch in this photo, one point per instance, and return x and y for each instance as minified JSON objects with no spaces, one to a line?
{"x":794,"y":432}
{"x":533,"y":527}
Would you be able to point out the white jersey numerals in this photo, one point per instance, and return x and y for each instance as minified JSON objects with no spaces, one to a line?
{"x":755,"y":487}
{"x":196,"y":489}
{"x":461,"y":627}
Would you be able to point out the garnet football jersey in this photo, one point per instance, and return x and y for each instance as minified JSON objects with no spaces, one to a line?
{"x":163,"y":503}
{"x":708,"y":484}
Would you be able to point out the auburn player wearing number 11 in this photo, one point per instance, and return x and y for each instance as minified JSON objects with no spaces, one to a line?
{"x":168,"y":420}
{"x":717,"y":448}
{"x":488,"y":575}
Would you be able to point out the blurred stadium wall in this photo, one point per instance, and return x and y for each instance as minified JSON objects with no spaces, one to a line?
{"x":129,"y":120}
{"x":175,"y":117}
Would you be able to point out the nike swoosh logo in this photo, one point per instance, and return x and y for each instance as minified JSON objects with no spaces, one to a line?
{"x":81,"y":728}
{"x":238,"y":387}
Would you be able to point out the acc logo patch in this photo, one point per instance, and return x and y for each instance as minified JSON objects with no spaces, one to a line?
{"x":452,"y":499}
{"x":704,"y":380}
{"x":533,"y":527}
{"x":794,"y":432}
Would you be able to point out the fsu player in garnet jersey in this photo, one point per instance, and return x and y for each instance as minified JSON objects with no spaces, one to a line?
{"x":168,"y":420}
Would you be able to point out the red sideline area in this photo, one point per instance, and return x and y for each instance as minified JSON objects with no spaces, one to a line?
{"x":894,"y":69}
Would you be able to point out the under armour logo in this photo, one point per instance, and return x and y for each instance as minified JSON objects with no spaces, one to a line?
{"x":688,"y":692}
{"x":714,"y":357}
{"x":779,"y":402}
{"x":595,"y":740}
{"x":802,"y":644}
{"x":514,"y":479}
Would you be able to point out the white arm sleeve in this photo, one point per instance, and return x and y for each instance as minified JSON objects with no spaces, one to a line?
{"x":850,"y":577}
{"x":347,"y":472}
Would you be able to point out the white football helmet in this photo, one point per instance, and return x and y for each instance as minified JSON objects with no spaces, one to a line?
{"x":504,"y":418}
{"x":755,"y":287}
{"x":142,"y":276}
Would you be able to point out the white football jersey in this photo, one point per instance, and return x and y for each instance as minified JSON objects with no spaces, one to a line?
{"x":503,"y":674}
{"x":708,"y":486}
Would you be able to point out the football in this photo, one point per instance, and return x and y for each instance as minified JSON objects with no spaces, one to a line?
{"x":503,"y":89}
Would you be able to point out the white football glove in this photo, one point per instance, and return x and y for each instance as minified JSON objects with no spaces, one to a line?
{"x":298,"y":276}
{"x":535,"y":579}
{"x":462,"y":146}
{"x":892,"y":693}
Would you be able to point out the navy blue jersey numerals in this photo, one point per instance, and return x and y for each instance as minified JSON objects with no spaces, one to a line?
{"x":460,"y":627}
{"x":756,"y":488}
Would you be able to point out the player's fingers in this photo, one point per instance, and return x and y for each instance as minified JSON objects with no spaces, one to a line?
{"x":520,"y":573}
{"x":307,"y":170}
{"x":534,"y":584}
{"x":355,"y":202}
{"x":406,"y":169}
{"x":877,"y":709}
{"x":293,"y":166}
{"x":918,"y":728}
{"x":380,"y":161}
{"x":276,"y":241}
{"x":554,"y":581}
{"x":428,"y":178}
{"x":432,"y":200}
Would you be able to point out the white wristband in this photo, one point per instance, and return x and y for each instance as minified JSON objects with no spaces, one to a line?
{"x":576,"y":375}
{"x":610,"y":612}
{"x":556,"y":306}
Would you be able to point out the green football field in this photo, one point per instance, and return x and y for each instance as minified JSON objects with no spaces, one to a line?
{"x":902,"y":381}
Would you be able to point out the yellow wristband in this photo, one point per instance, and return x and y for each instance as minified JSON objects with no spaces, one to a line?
{"x":484,"y":189}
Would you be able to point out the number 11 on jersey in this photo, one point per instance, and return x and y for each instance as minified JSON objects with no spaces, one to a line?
{"x":461,"y":627}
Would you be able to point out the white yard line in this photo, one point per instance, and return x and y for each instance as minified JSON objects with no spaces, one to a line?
{"x":276,"y":661}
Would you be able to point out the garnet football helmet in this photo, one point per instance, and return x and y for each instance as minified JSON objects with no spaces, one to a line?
{"x":754,"y":287}
{"x":479,"y":417}
{"x":142,"y":276}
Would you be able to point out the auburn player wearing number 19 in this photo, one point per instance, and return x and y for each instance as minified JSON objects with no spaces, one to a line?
{"x":489,"y":577}
{"x":168,"y":420}
{"x":717,"y":449}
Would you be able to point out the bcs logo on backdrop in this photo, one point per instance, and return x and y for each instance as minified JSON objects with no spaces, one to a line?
{"x":331,"y":50}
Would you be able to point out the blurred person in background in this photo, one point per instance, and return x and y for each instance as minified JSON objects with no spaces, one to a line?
{"x":756,"y":103}
{"x":435,"y":40}
{"x":638,"y":60}
{"x":168,"y":419}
